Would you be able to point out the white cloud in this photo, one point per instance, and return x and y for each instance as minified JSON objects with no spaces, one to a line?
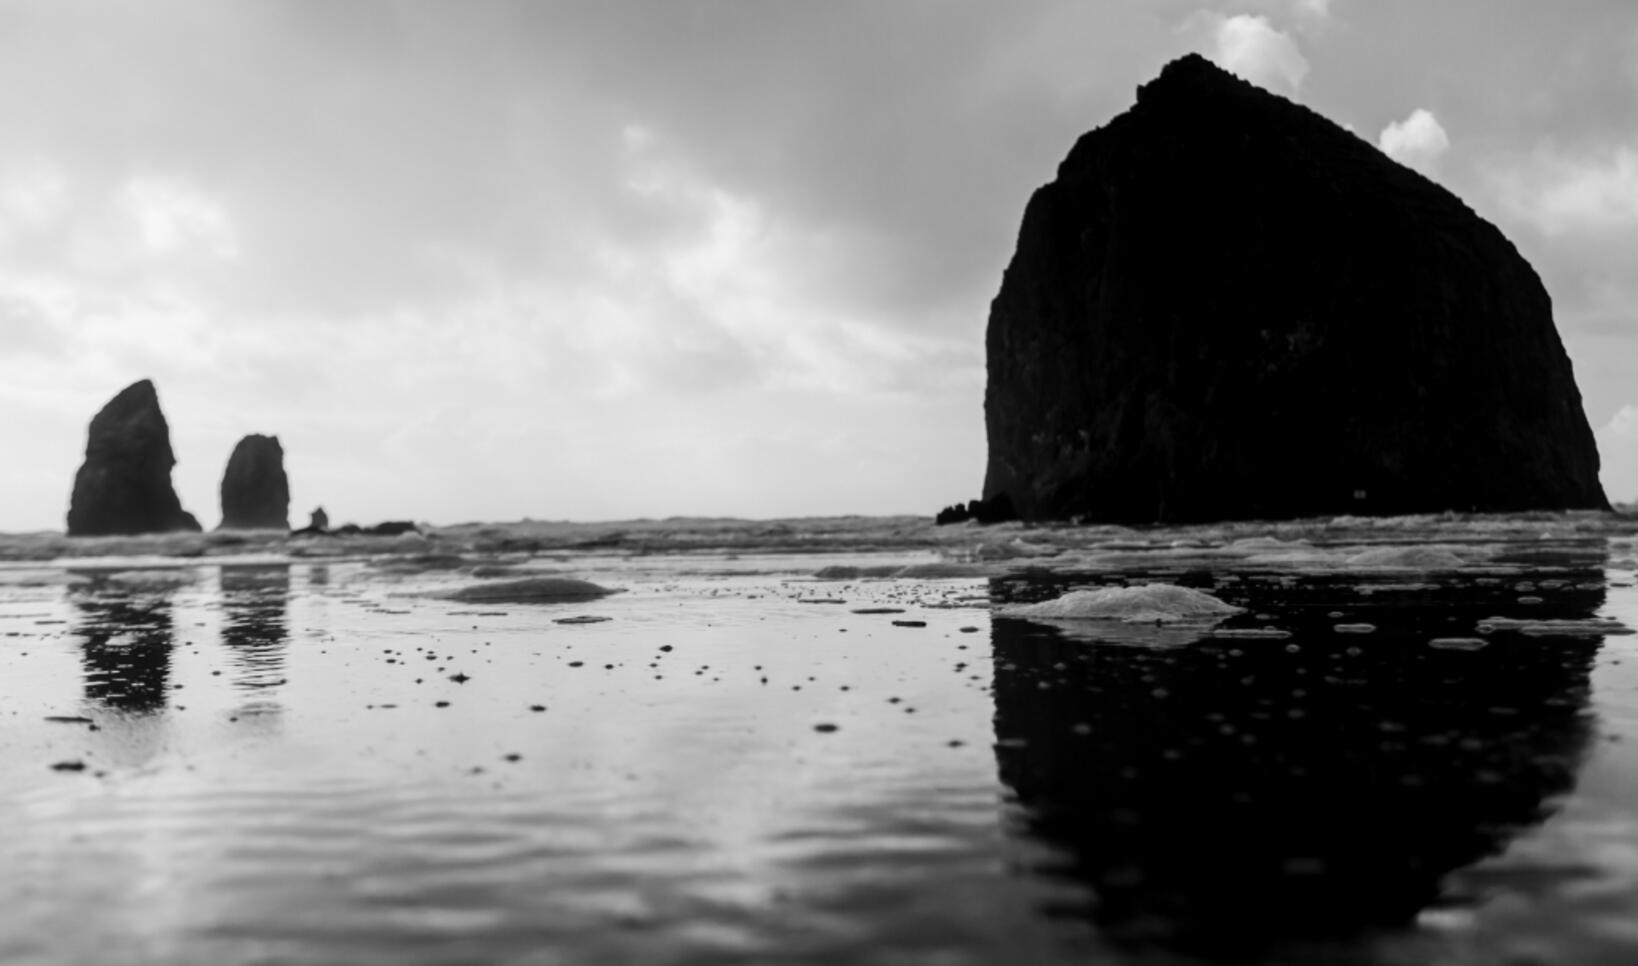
{"x":170,"y":215}
{"x":32,"y":195}
{"x":1419,"y":141}
{"x":1568,"y":194}
{"x":728,"y":284}
{"x":1252,"y":48}
{"x":1624,"y":424}
{"x":1618,"y":454}
{"x":1316,"y":9}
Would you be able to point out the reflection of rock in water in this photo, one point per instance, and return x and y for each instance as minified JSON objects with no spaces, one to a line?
{"x":1233,"y":793}
{"x":255,"y":600}
{"x":125,"y":641}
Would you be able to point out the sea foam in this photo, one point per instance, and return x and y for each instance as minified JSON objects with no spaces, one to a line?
{"x":1149,"y":603}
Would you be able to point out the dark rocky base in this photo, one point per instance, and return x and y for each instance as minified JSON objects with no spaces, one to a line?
{"x":996,"y":510}
{"x":390,"y":528}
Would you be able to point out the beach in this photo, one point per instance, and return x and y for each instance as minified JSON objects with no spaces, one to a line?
{"x":799,"y":741}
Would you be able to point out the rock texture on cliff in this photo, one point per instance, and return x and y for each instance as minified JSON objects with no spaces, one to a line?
{"x":1226,"y":306}
{"x":255,"y":490}
{"x":124,"y":485}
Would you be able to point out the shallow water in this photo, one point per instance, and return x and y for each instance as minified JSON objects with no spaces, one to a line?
{"x":290,"y":759}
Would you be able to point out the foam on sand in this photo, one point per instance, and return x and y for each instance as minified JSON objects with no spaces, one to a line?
{"x":1592,"y":626}
{"x":1014,"y":549}
{"x":929,"y":570}
{"x":158,"y":579}
{"x":944,"y":570}
{"x":1148,"y":604}
{"x":1406,"y":558}
{"x":846,"y":572}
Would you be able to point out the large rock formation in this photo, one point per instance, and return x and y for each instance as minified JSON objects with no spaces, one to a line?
{"x":124,"y":485}
{"x":255,"y":490}
{"x":1226,"y":306}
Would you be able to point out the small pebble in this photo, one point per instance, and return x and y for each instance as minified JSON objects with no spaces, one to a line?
{"x":1458,"y":643}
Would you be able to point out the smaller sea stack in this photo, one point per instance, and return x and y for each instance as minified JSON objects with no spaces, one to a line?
{"x":124,"y":485}
{"x":255,"y":490}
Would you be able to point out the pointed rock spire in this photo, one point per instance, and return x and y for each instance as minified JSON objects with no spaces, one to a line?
{"x":124,"y":485}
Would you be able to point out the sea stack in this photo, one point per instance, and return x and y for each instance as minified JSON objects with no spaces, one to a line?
{"x":1225,"y":306}
{"x":255,"y":490}
{"x":124,"y":485}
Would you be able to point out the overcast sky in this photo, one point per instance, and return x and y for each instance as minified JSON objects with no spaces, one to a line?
{"x":487,"y":260}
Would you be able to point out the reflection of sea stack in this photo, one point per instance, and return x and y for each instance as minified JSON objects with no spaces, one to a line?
{"x":1226,"y":306}
{"x":255,"y":490}
{"x":126,"y":642}
{"x":1225,"y":795}
{"x":124,"y":485}
{"x":255,"y":626}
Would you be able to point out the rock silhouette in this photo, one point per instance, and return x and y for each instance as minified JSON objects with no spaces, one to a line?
{"x":318,"y":525}
{"x":124,"y":485}
{"x":1226,"y":306}
{"x":255,"y":490}
{"x":997,"y":510}
{"x":389,"y":528}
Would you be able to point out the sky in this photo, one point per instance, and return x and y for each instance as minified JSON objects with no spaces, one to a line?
{"x":490,"y":260}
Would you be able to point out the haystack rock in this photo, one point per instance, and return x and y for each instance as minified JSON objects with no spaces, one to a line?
{"x":124,"y":485}
{"x":255,"y":490}
{"x":1226,"y":306}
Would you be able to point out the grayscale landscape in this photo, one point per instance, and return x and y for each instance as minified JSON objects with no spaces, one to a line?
{"x":1147,"y":482}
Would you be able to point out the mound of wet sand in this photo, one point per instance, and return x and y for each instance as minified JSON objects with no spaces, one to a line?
{"x":531,"y":590}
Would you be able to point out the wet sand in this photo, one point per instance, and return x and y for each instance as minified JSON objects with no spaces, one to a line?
{"x":270,"y":751}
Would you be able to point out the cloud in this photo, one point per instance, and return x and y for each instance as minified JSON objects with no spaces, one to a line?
{"x":1573,"y":212}
{"x":1618,"y":455}
{"x":32,"y":195}
{"x":1316,"y":9}
{"x":27,"y":325}
{"x":1252,"y":48}
{"x":1419,"y":141}
{"x":171,"y":214}
{"x":1591,"y":192}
